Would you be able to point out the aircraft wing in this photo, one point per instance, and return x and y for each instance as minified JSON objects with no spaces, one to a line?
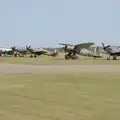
{"x":77,"y":47}
{"x":65,"y":44}
{"x":84,"y":45}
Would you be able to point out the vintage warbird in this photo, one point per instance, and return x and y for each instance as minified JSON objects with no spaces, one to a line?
{"x":41,"y":51}
{"x":19,"y":51}
{"x":5,"y":51}
{"x":80,"y":49}
{"x":94,"y":52}
{"x":111,"y":51}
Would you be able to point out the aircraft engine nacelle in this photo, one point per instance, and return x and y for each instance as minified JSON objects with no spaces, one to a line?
{"x":70,"y":47}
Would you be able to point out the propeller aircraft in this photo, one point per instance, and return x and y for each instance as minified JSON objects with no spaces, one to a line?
{"x":5,"y":51}
{"x":19,"y":51}
{"x":111,"y":51}
{"x":41,"y":51}
{"x":80,"y":49}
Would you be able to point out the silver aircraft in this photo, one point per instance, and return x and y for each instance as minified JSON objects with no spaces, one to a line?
{"x":19,"y":51}
{"x":41,"y":51}
{"x":5,"y":51}
{"x":111,"y":51}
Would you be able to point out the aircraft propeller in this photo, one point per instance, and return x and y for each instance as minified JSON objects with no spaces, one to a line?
{"x":13,"y":47}
{"x":28,"y":47}
{"x":65,"y":49}
{"x":105,"y":47}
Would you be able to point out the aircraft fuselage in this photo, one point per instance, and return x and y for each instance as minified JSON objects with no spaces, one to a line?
{"x":83,"y":52}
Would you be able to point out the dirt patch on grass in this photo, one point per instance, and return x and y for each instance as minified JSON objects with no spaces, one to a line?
{"x":17,"y":68}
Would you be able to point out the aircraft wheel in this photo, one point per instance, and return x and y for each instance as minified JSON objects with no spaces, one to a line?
{"x":15,"y":55}
{"x":114,"y":58}
{"x":35,"y":55}
{"x":74,"y":57}
{"x":108,"y":58}
{"x":31,"y":56}
{"x":67,"y":57}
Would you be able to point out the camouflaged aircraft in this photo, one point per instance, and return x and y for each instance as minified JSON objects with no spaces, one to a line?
{"x":80,"y":49}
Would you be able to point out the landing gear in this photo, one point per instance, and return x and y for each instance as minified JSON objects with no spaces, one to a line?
{"x":114,"y":58}
{"x":69,"y":56}
{"x":31,"y":55}
{"x":74,"y":57}
{"x":108,"y":58}
{"x":15,"y":54}
{"x":35,"y":55}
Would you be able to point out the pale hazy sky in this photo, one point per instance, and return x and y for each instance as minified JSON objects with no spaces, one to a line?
{"x":44,"y":22}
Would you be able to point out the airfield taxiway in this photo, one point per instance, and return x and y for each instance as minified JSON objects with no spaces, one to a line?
{"x":22,"y":69}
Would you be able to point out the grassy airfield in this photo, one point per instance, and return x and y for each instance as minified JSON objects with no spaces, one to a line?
{"x":60,"y":96}
{"x":59,"y":60}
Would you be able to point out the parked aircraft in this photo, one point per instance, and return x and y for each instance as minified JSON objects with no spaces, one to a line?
{"x":111,"y":51}
{"x":80,"y":49}
{"x":41,"y":51}
{"x":5,"y":51}
{"x":19,"y":51}
{"x":52,"y":52}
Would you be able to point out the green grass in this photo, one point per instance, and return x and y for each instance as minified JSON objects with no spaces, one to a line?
{"x":42,"y":60}
{"x":60,"y":97}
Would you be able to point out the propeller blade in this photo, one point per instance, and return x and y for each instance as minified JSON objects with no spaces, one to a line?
{"x":28,"y":47}
{"x":13,"y":47}
{"x":108,"y":46}
{"x":65,"y":49}
{"x":103,"y":45}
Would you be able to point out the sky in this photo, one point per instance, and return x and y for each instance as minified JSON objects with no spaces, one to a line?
{"x":44,"y":23}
